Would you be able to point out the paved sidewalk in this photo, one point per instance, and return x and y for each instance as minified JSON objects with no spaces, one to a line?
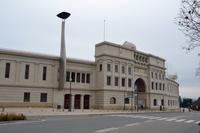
{"x":52,"y":112}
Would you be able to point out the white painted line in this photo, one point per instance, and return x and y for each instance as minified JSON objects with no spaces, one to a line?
{"x":172,"y":119}
{"x":21,"y":122}
{"x":190,"y":121}
{"x":197,"y":122}
{"x":162,"y":119}
{"x":152,"y":117}
{"x":148,"y":121}
{"x":106,"y":130}
{"x":180,"y":120}
{"x":132,"y":124}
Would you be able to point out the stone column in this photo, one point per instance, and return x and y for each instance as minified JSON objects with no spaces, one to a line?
{"x":82,"y":101}
{"x":72,"y":102}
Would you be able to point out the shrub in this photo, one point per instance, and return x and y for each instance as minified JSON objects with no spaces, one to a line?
{"x":11,"y":117}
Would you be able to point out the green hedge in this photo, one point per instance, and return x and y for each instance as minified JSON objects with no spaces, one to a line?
{"x":11,"y":117}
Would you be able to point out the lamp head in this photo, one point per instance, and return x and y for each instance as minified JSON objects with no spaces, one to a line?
{"x":63,"y":15}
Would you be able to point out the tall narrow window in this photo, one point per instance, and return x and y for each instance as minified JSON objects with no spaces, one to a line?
{"x":123,"y":69}
{"x":26,"y":75}
{"x":88,"y":78}
{"x":129,"y":82}
{"x":123,"y":82}
{"x":116,"y":81}
{"x":155,"y":102}
{"x":78,"y":77}
{"x":100,"y":67}
{"x":7,"y":70}
{"x":152,"y":85}
{"x":160,"y":86}
{"x":108,"y":80}
{"x":156,"y":86}
{"x":108,"y":67}
{"x":26,"y":96}
{"x":44,"y":75}
{"x":83,"y":78}
{"x":116,"y":68}
{"x":67,"y":76}
{"x":73,"y":76}
{"x":163,"y":86}
{"x":43,"y":97}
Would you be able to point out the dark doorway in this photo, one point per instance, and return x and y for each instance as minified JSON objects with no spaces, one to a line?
{"x":77,"y":102}
{"x":87,"y":102}
{"x":140,"y":85}
{"x":67,"y":101}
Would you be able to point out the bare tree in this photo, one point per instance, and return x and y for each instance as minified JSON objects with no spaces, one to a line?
{"x":188,"y":21}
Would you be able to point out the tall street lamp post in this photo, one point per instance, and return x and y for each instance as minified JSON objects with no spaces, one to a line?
{"x":62,"y":61}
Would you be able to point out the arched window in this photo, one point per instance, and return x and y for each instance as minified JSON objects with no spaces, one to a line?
{"x":112,"y":100}
{"x":155,"y":102}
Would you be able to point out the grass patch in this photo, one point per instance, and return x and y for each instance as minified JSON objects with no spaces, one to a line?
{"x":11,"y":117}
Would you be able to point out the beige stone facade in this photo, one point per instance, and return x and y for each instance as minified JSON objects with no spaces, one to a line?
{"x":120,"y":77}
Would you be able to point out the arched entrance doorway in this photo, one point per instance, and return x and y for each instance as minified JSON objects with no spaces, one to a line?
{"x":140,"y":89}
{"x":86,"y":102}
{"x":67,"y":101}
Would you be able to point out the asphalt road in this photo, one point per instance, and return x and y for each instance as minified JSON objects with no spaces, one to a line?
{"x":119,"y":123}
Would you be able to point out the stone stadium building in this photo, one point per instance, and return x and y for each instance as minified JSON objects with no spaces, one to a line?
{"x":121,"y":77}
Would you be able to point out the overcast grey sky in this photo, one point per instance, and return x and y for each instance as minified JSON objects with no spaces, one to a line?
{"x":32,"y":25}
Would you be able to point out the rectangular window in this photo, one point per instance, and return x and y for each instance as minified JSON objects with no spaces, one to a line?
{"x":26,"y":75}
{"x":129,"y":71}
{"x":43,"y":97}
{"x":116,"y":81}
{"x":108,"y":67}
{"x":160,"y":86}
{"x":129,"y":82}
{"x":116,"y":68}
{"x":152,"y":85}
{"x":27,"y":96}
{"x":108,"y":80}
{"x":67,"y":76}
{"x":100,"y":67}
{"x":163,"y":86}
{"x":156,"y":75}
{"x":73,"y":76}
{"x":44,"y":73}
{"x":123,"y":82}
{"x":83,"y":78}
{"x":88,"y":78}
{"x":78,"y":78}
{"x":7,"y":70}
{"x":123,"y":69}
{"x":156,"y":86}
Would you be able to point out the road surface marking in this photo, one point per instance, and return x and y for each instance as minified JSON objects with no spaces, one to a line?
{"x":190,"y":121}
{"x":162,"y":119}
{"x":106,"y":130}
{"x":197,"y":122}
{"x":180,"y":120}
{"x":172,"y":119}
{"x":132,"y":124}
{"x":21,"y":122}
